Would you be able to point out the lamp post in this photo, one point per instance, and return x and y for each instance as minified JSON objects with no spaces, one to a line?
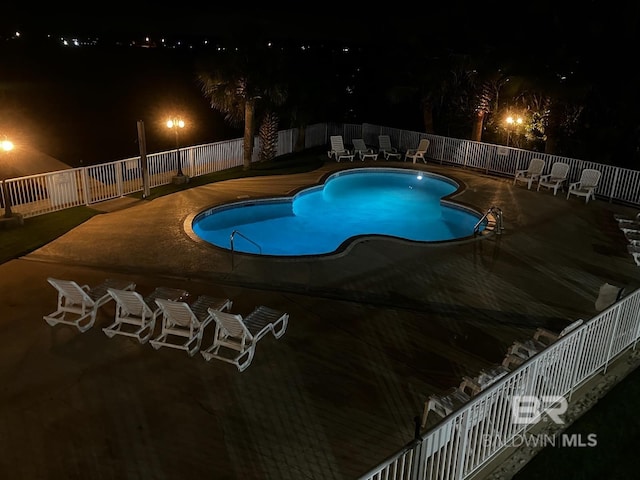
{"x":512,"y":123}
{"x":6,"y":146}
{"x":176,"y":124}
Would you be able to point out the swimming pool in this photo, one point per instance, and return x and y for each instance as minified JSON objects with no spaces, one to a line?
{"x":320,"y":220}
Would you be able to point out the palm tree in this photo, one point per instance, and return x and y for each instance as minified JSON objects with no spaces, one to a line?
{"x":236,"y":81}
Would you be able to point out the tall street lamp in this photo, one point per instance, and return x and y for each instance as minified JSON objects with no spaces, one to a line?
{"x":512,"y":124}
{"x":176,"y":124}
{"x":6,"y":146}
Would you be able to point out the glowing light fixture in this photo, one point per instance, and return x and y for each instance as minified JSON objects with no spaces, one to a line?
{"x":512,"y":123}
{"x":6,"y":146}
{"x":176,"y":124}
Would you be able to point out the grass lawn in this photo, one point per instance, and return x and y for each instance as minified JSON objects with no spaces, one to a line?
{"x":615,"y":423}
{"x":42,"y":229}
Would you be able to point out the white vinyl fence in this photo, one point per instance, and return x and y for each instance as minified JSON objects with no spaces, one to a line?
{"x":48,"y":192}
{"x":467,"y":439}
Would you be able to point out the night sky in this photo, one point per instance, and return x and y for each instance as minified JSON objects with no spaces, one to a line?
{"x":523,"y":23}
{"x":591,"y":39}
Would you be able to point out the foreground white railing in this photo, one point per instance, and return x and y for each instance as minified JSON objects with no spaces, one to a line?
{"x":49,"y":192}
{"x":468,"y":439}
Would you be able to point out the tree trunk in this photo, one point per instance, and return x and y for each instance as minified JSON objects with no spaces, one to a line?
{"x":552,"y":131}
{"x":300,"y":139}
{"x":249,"y":128}
{"x":476,"y":132}
{"x":427,"y":116}
{"x":268,"y":137}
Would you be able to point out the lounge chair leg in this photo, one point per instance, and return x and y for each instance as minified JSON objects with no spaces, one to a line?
{"x":278,"y":332}
{"x":145,"y":338}
{"x":242,"y":365}
{"x":89,"y":324}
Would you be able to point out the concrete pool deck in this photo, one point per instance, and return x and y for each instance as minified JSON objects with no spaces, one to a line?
{"x":372,"y":334}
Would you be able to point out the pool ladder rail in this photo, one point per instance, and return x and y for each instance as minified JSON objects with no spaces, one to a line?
{"x":493,"y":216}
{"x":231,"y":238}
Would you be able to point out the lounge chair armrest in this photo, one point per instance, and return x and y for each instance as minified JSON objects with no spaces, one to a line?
{"x":574,"y":185}
{"x":544,"y":336}
{"x":545,"y":178}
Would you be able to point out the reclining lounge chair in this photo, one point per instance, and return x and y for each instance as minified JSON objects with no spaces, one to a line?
{"x":78,"y":305}
{"x":236,"y":337}
{"x":183,"y":324}
{"x":136,"y":316}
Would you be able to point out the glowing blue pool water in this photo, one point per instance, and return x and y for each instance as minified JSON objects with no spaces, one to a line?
{"x":319,"y":220}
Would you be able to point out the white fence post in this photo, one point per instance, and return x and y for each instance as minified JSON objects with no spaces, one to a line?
{"x":86,"y":190}
{"x":613,"y":337}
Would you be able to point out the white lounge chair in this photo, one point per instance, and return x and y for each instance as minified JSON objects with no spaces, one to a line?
{"x":519,"y":352}
{"x":444,"y":404}
{"x":530,"y":174}
{"x":608,"y":295}
{"x":183,"y":324}
{"x":385,"y":149}
{"x":361,"y":150}
{"x":634,"y":251}
{"x":632,"y":223}
{"x":632,"y":236}
{"x":586,"y":186}
{"x":136,"y":316}
{"x":338,"y":151}
{"x":235,"y":337}
{"x":418,"y":153}
{"x":78,"y":305}
{"x":555,"y":179}
{"x":486,"y":378}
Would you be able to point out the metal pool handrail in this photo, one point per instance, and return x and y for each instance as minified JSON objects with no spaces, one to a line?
{"x":497,"y":215}
{"x":233,"y":234}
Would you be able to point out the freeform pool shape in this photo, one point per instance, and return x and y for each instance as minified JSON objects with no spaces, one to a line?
{"x":400,"y":203}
